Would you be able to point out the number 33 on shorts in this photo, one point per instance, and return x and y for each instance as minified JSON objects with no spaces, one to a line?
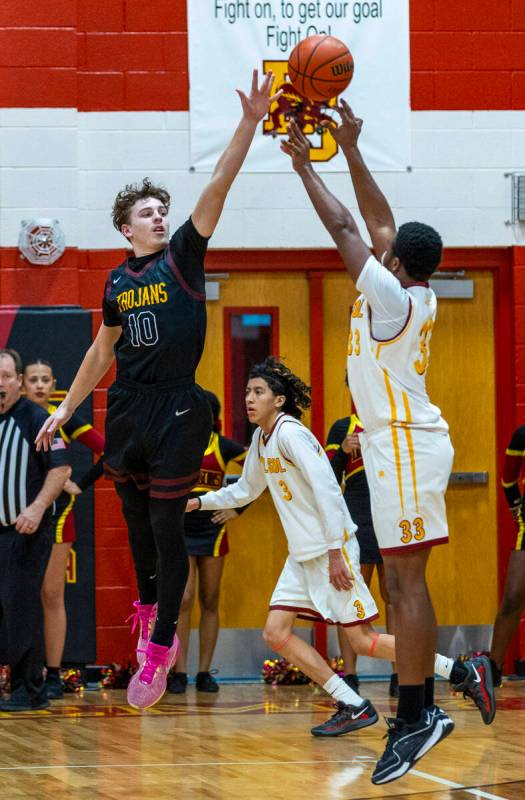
{"x":414,"y":530}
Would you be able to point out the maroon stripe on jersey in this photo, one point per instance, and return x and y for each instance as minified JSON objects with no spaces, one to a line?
{"x":140,"y":272}
{"x":391,"y":339}
{"x":169,"y":495}
{"x":175,"y":481}
{"x":187,"y":288}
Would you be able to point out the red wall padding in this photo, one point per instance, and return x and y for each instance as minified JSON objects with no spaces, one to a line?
{"x":118,"y":55}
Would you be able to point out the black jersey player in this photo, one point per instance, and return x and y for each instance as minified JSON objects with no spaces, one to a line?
{"x":158,"y":420}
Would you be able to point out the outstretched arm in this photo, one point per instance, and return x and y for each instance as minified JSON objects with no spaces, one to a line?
{"x":255,"y":106}
{"x":96,"y":363}
{"x":336,"y":218}
{"x":372,"y":203}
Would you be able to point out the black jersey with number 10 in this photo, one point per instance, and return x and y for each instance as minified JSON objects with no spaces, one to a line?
{"x":159,"y":301}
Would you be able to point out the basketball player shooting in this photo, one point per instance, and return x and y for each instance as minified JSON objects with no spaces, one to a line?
{"x":406,"y":447}
{"x":159,"y":421}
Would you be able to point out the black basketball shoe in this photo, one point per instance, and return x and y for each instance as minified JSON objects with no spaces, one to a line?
{"x":479,"y":686}
{"x":347,"y":719}
{"x":205,"y":682}
{"x":407,"y":743}
{"x":177,"y":682}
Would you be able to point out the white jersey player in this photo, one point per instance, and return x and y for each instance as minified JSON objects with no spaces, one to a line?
{"x":321,"y":579}
{"x":406,"y":449}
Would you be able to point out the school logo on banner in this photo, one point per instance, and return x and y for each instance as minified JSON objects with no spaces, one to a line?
{"x":227,"y":39}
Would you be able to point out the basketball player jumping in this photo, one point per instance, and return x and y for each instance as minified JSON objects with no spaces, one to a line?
{"x":158,"y":421}
{"x":406,"y":447}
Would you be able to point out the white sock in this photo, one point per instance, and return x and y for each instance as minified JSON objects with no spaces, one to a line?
{"x":340,"y":691}
{"x":443,"y":665}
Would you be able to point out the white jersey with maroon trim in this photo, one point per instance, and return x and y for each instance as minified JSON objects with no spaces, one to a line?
{"x":296,"y":470}
{"x":386,"y":374}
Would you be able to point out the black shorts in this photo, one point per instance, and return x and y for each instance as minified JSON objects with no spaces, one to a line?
{"x":156,"y":436}
{"x":212,"y":541}
{"x":357,"y":498}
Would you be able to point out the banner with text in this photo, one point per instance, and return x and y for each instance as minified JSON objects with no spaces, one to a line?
{"x":227,"y":40}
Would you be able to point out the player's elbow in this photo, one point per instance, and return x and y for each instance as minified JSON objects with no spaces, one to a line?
{"x":342,"y":227}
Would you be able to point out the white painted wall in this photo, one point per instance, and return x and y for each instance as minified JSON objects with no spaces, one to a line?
{"x":69,"y":165}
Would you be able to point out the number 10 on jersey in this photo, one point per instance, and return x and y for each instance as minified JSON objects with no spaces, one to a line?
{"x":143,"y":329}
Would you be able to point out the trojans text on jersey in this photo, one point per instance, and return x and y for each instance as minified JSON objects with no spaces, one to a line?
{"x":150,"y":295}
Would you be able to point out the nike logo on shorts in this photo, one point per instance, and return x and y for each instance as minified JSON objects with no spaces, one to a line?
{"x":116,"y":280}
{"x":180,"y":413}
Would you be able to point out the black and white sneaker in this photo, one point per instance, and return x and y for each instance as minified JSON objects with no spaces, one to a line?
{"x":479,"y":686}
{"x":347,"y":719}
{"x":407,"y":743}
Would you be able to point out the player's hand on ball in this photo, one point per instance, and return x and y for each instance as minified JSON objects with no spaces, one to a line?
{"x":46,"y":434}
{"x":193,"y":504}
{"x":297,"y":146}
{"x":255,"y":106}
{"x":339,"y":573}
{"x":347,"y":132}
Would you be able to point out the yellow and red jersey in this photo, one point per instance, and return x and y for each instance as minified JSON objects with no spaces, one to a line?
{"x":219,"y":453}
{"x":345,"y":465}
{"x":512,"y":467}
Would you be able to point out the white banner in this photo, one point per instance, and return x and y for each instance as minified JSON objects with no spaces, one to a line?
{"x":229,"y":38}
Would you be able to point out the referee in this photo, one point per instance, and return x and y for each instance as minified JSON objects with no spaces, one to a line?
{"x":29,"y":483}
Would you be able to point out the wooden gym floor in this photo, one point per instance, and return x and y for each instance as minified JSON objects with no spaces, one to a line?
{"x":250,"y":742}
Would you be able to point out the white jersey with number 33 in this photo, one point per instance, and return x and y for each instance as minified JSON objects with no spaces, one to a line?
{"x":388,"y":351}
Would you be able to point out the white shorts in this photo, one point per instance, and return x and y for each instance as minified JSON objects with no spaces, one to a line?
{"x":304,"y":587}
{"x":408,"y":471}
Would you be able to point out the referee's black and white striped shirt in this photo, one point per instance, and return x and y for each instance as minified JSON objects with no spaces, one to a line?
{"x":23,"y":470}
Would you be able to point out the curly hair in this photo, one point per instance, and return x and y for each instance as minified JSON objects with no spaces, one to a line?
{"x":281,"y":380}
{"x":128,"y":196}
{"x":419,"y":248}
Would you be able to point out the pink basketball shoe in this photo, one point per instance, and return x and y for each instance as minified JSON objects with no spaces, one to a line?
{"x":144,"y":616}
{"x":149,"y":684}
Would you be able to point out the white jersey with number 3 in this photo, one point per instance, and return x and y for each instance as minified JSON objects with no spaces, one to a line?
{"x":389,"y":350}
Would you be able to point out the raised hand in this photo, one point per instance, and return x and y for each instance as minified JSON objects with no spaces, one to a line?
{"x":296,"y":146}
{"x":255,"y":106}
{"x":347,"y":132}
{"x":46,"y":434}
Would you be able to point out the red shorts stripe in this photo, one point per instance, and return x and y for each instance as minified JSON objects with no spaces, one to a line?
{"x":392,"y":551}
{"x":308,"y":614}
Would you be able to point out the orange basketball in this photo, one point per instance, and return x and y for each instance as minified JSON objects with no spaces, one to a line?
{"x":320,"y":67}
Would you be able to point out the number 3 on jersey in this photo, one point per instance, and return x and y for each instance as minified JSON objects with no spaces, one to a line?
{"x":421,"y":363}
{"x":143,"y":329}
{"x":354,"y":343}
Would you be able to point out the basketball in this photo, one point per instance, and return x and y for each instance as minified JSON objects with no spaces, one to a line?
{"x":320,"y":67}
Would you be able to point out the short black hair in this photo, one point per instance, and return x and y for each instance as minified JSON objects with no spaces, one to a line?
{"x":281,"y":380}
{"x":419,"y":247}
{"x":8,"y":351}
{"x":215,"y":406}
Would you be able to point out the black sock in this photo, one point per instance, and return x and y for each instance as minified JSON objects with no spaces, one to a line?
{"x":429,"y":692}
{"x":459,"y":672}
{"x":163,"y":633}
{"x":497,"y":672}
{"x":53,"y":672}
{"x":411,"y":702}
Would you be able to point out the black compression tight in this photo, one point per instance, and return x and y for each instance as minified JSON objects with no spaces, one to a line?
{"x":156,"y":538}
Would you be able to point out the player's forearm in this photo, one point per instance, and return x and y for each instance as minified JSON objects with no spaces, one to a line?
{"x":332,"y":213}
{"x":53,"y":485}
{"x":96,"y":363}
{"x":233,"y":157}
{"x":373,"y":205}
{"x":234,"y":496}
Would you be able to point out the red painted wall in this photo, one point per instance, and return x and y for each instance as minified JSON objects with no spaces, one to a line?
{"x":111,"y":55}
